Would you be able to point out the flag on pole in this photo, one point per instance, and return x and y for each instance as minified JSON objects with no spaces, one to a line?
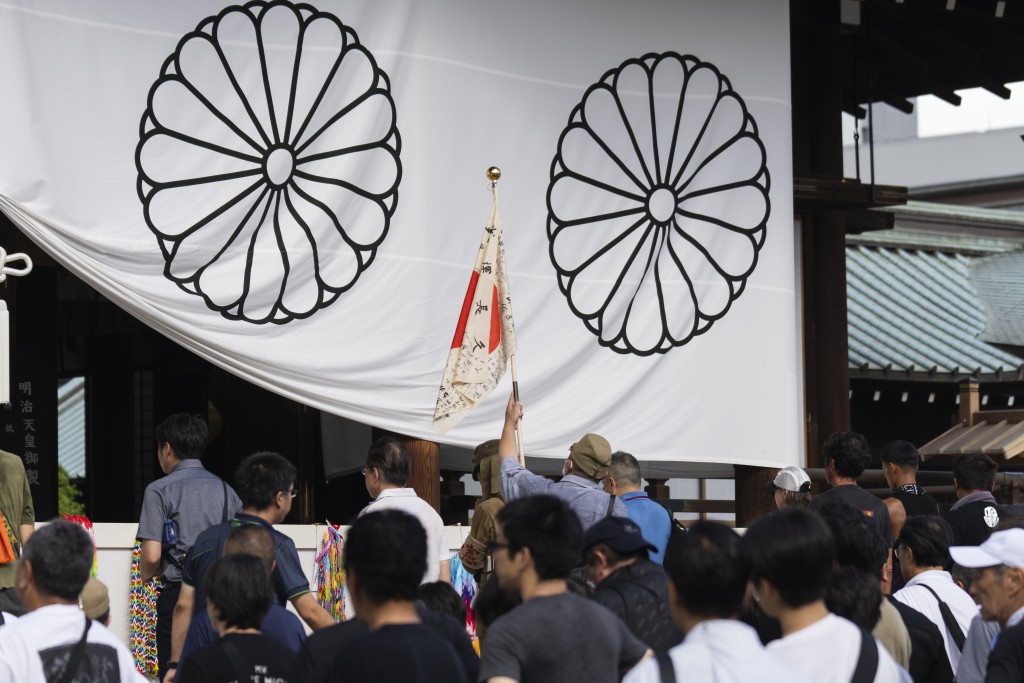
{"x":485,"y":337}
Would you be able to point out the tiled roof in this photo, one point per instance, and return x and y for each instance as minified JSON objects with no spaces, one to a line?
{"x":999,"y":280}
{"x":913,"y":310}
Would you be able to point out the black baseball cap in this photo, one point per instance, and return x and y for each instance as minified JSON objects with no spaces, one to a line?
{"x":621,"y":534}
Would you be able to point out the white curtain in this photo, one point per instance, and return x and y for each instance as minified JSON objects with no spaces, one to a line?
{"x":297,"y":194}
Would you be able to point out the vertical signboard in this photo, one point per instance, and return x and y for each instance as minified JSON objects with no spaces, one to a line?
{"x":29,"y":425}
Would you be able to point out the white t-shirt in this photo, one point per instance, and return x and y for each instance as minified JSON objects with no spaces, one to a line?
{"x":9,"y":618}
{"x":47,"y":635}
{"x":960,"y":604}
{"x":827,"y":652}
{"x":406,"y":500}
{"x":723,"y":651}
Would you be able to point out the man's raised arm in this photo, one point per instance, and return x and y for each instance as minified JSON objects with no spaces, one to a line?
{"x":513,"y":415}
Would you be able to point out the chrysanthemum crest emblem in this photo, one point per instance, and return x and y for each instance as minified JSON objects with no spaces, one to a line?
{"x":658,"y":203}
{"x":268,"y":161}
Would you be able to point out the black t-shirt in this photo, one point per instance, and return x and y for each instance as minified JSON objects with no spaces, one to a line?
{"x":1006,"y":661}
{"x":317,"y":654}
{"x":973,"y":523}
{"x":248,"y":657}
{"x":915,"y":504}
{"x":870,"y":505}
{"x":398,"y":653}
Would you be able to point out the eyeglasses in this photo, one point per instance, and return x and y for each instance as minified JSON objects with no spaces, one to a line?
{"x":494,"y":545}
{"x":365,"y":471}
{"x":293,"y":493}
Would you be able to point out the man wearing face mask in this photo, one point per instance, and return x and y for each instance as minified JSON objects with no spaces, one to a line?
{"x":582,"y":473}
{"x":487,"y":470}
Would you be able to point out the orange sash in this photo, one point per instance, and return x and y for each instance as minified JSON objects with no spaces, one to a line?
{"x":6,"y":549}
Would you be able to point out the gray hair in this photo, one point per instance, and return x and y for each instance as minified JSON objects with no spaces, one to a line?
{"x":624,"y":469}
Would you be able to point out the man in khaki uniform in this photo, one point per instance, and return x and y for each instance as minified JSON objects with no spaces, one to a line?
{"x":487,"y":469}
{"x":18,"y":523}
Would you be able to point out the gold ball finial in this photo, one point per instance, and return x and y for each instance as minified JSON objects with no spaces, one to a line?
{"x":493,"y":174}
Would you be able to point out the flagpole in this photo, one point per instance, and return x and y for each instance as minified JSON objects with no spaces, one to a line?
{"x":515,"y":396}
{"x":494,"y":174}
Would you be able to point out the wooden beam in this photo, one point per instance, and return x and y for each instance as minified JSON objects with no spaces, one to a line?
{"x":700,"y":506}
{"x":858,"y":222}
{"x":817,"y":193}
{"x":993,"y":416}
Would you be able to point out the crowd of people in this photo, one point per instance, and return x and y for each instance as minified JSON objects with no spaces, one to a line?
{"x":581,"y":579}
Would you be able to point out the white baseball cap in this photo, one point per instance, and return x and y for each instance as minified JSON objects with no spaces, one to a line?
{"x":791,"y":478}
{"x":1002,"y":547}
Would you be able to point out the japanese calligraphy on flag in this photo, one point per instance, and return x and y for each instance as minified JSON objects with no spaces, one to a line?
{"x":485,"y":337}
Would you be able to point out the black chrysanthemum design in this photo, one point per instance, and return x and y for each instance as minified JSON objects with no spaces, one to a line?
{"x":658,"y":203}
{"x":268,"y":161}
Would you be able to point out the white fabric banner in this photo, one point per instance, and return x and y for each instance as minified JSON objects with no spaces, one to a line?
{"x":295,"y":192}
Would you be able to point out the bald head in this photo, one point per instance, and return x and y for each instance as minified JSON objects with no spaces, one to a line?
{"x":254,"y":540}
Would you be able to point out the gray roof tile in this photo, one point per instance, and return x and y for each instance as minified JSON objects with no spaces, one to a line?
{"x":912,"y":310}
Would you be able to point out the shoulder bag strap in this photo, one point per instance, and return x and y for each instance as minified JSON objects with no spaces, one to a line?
{"x":665,"y":667}
{"x":673,"y":523}
{"x":947,"y":616}
{"x":74,"y":662}
{"x":242,"y":672}
{"x":611,"y":504}
{"x":224,"y":515}
{"x":867,"y":661}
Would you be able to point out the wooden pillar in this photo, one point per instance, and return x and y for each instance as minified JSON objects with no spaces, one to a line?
{"x":425,"y":475}
{"x":970,"y":402}
{"x":657,"y":489}
{"x":752,"y":500}
{"x":818,"y":151}
{"x":310,"y":464}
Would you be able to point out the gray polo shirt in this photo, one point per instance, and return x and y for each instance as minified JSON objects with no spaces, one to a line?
{"x":586,"y":498}
{"x":198,"y":498}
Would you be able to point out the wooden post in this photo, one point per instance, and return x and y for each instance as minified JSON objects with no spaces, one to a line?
{"x":425,"y":475}
{"x":970,"y":402}
{"x":752,"y":500}
{"x":818,"y":151}
{"x":657,"y":489}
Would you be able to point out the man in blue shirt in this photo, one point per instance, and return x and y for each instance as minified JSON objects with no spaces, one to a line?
{"x":266,"y":485}
{"x":655,"y":522}
{"x":279,"y":623}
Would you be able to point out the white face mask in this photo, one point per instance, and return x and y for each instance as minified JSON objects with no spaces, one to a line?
{"x":565,"y":467}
